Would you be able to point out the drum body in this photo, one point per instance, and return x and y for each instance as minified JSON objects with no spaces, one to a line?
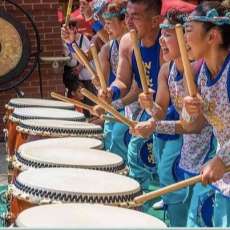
{"x":30,"y":102}
{"x":20,"y":114}
{"x":86,"y":216}
{"x":67,"y":185}
{"x":33,"y":155}
{"x":34,"y":129}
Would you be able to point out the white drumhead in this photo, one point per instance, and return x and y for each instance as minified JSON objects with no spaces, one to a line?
{"x":77,"y":184}
{"x":66,"y":156}
{"x":72,"y":142}
{"x":47,"y":113}
{"x":86,"y":216}
{"x":36,"y":102}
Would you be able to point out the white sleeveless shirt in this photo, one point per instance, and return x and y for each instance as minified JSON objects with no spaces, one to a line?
{"x":216,"y":97}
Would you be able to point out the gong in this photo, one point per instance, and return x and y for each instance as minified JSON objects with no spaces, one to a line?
{"x":14,"y":47}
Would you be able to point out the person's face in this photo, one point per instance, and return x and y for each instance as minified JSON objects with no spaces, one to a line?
{"x":169,"y":44}
{"x":139,"y":17}
{"x":114,"y":27}
{"x":196,"y":40}
{"x":129,"y":22}
{"x":84,"y":7}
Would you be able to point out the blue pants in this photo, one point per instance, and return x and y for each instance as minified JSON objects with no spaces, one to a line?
{"x":107,"y":134}
{"x":200,"y":211}
{"x":221,"y":211}
{"x":120,"y":140}
{"x":116,"y":138}
{"x":167,"y":156}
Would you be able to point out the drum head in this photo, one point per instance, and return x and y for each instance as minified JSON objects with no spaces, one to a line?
{"x":59,"y":128}
{"x":86,"y":216}
{"x":69,"y":157}
{"x":72,"y":142}
{"x":75,"y":185}
{"x":46,"y":113}
{"x":36,"y":102}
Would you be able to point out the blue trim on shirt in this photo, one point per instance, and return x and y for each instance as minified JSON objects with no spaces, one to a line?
{"x":211,"y":81}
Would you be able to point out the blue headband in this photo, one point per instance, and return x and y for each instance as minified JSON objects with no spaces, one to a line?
{"x":108,"y":15}
{"x":167,"y":26}
{"x":213,"y":17}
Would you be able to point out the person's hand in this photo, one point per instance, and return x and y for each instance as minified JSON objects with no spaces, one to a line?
{"x":144,"y":129}
{"x":212,"y":171}
{"x":193,"y":105}
{"x":106,"y":95}
{"x":146,"y":99}
{"x":67,"y":34}
{"x":98,"y":111}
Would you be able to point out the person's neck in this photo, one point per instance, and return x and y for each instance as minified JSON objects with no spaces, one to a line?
{"x":179,"y":65}
{"x":214,"y":60}
{"x":150,"y":38}
{"x":121,"y":35}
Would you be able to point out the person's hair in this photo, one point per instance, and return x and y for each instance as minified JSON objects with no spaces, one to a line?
{"x":175,"y":16}
{"x":222,"y":9}
{"x":116,"y":6}
{"x":70,"y":80}
{"x":153,"y":5}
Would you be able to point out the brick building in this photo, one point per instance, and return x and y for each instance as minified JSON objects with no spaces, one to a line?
{"x":44,"y":14}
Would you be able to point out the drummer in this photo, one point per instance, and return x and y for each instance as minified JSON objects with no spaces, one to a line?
{"x":116,"y":135}
{"x":207,"y":35}
{"x":196,"y":149}
{"x":145,"y":17}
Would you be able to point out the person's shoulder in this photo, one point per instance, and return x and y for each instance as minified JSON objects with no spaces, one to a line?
{"x":126,"y":44}
{"x":164,"y":71}
{"x":105,"y":49}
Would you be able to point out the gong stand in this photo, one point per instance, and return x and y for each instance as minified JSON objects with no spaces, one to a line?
{"x":18,"y":59}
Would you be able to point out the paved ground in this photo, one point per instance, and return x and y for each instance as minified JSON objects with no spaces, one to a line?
{"x":3,"y":165}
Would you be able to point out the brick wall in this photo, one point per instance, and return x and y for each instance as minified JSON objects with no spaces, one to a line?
{"x":44,"y":15}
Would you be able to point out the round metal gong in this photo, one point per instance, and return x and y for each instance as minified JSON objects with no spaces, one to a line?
{"x":14,"y":47}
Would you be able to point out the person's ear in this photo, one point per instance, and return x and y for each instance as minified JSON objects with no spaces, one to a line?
{"x":156,"y":20}
{"x":214,"y":36}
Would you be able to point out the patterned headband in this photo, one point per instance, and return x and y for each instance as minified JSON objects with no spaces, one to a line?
{"x":213,"y":17}
{"x":167,"y":26}
{"x":108,"y":15}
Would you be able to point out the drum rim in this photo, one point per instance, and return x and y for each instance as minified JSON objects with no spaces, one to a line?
{"x":93,"y":131}
{"x":15,"y":117}
{"x":28,"y":192}
{"x":24,"y":162}
{"x":11,"y":104}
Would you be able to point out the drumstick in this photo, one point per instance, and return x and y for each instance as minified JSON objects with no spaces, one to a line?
{"x":83,"y":58}
{"x":98,"y":67}
{"x":140,"y":65}
{"x":186,"y":63}
{"x":107,"y":107}
{"x":69,"y":100}
{"x":171,"y":188}
{"x":68,"y":13}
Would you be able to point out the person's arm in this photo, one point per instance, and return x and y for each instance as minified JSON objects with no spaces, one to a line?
{"x":131,"y":97}
{"x":104,"y":61}
{"x":124,"y":70}
{"x":159,"y":107}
